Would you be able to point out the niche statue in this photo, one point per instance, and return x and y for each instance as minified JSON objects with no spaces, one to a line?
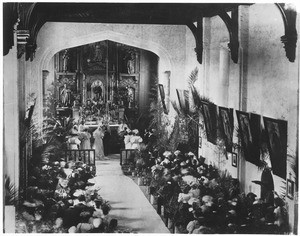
{"x":65,"y":96}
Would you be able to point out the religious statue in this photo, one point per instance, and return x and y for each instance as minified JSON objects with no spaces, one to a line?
{"x":130,"y":66}
{"x":65,"y":96}
{"x":65,"y":60}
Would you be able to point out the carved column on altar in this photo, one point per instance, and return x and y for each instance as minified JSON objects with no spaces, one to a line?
{"x":166,"y":83}
{"x":83,"y":88}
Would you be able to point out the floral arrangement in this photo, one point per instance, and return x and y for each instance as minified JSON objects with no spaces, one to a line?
{"x":57,"y":189}
{"x":197,"y":197}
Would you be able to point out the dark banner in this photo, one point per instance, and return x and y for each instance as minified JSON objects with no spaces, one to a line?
{"x":226,"y":126}
{"x":210,"y":115}
{"x":255,"y":127}
{"x":247,"y":138}
{"x":277,"y":145}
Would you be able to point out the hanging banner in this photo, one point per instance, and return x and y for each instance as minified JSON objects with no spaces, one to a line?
{"x":277,"y":145}
{"x":226,"y":126}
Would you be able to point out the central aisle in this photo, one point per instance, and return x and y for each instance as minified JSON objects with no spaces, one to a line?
{"x":129,"y":205}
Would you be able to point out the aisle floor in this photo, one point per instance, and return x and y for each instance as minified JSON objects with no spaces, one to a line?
{"x":129,"y":205}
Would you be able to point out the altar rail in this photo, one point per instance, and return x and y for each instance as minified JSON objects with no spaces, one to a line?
{"x":127,"y":156}
{"x":87,"y":156}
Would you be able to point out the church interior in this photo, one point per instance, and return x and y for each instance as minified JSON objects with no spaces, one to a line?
{"x":150,"y":118}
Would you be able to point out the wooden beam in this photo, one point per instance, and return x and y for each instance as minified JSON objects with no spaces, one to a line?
{"x":232,"y":26}
{"x":198,"y":34}
{"x":289,"y":39}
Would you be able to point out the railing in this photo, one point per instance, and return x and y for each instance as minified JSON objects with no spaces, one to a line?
{"x":87,"y":156}
{"x":127,"y":156}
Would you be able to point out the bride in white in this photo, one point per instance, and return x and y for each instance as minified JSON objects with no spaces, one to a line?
{"x":98,"y":143}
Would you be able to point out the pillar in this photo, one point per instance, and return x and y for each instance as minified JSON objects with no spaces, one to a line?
{"x":243,"y":62}
{"x":166,"y":83}
{"x":224,"y":67}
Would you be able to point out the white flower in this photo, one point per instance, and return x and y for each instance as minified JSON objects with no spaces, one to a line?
{"x":78,"y":192}
{"x":46,"y":167}
{"x":167,"y":154}
{"x":165,"y":161}
{"x":63,"y":164}
{"x":194,"y":200}
{"x":191,"y":154}
{"x":177,"y":152}
{"x":189,"y":179}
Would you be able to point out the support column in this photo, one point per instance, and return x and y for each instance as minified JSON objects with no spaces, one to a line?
{"x":166,"y":83}
{"x":206,"y":44}
{"x":243,"y":55}
{"x":25,"y":151}
{"x":11,"y":127}
{"x":224,"y":67}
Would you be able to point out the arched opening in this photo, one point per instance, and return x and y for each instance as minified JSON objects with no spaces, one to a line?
{"x":110,"y":75}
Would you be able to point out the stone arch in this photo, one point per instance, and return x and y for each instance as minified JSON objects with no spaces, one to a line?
{"x":48,"y":48}
{"x":165,"y":62}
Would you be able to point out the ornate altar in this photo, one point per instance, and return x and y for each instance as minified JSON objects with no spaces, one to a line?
{"x":97,"y":80}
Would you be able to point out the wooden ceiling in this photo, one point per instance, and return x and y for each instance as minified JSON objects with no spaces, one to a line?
{"x":131,"y":13}
{"x":32,"y":16}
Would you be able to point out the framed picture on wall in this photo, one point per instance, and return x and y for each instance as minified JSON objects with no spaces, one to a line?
{"x":209,"y":111}
{"x":161,"y":91}
{"x":290,"y":189}
{"x":276,"y":131}
{"x":183,"y":99}
{"x":245,"y":134}
{"x":162,"y":97}
{"x":233,"y":158}
{"x":226,"y":125}
{"x":200,"y":142}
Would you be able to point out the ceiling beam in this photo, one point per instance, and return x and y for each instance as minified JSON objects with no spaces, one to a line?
{"x":289,"y":39}
{"x":232,"y":26}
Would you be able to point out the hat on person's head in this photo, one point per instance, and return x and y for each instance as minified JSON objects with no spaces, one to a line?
{"x":177,"y":152}
{"x":97,"y":222}
{"x":72,"y":230}
{"x":135,"y":131}
{"x":167,"y":154}
{"x":74,"y":131}
{"x":191,"y":154}
{"x":193,"y":200}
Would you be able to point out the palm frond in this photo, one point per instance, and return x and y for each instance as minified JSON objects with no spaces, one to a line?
{"x":295,"y":168}
{"x":11,"y":192}
{"x":176,"y":107}
{"x":193,"y":77}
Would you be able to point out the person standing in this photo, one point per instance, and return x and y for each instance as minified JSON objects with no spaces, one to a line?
{"x":98,"y":143}
{"x":85,"y":142}
{"x":106,"y":140}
